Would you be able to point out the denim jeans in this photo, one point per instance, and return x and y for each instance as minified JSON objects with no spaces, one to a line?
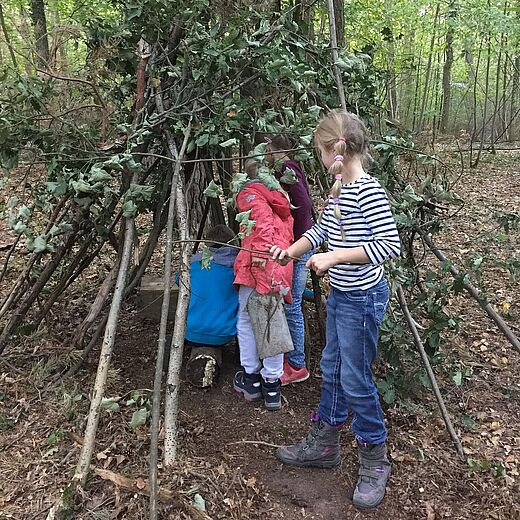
{"x":353,"y":321}
{"x":294,"y":313}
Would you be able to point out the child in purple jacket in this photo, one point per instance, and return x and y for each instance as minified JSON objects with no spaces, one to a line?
{"x":292,"y":179}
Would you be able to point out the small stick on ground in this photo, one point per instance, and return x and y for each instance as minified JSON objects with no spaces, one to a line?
{"x":259,"y":443}
{"x":435,"y":387}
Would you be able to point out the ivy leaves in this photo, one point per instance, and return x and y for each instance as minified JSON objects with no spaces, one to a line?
{"x":246,"y":225}
{"x":136,"y":198}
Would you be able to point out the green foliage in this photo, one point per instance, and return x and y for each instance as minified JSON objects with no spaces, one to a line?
{"x":139,"y":417}
{"x":110,"y":404}
{"x":246,"y":225}
{"x":207,"y":258}
{"x":234,"y":75}
{"x":289,"y":176}
{"x":508,"y":221}
{"x":143,"y":411}
{"x":213,"y":190}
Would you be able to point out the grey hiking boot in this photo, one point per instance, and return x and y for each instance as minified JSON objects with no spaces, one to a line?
{"x":320,"y":449}
{"x":374,"y":470}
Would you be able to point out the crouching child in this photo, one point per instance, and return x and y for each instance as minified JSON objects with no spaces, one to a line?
{"x":213,"y":308}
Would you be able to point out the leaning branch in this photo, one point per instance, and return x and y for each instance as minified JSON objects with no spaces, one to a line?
{"x":105,"y":357}
{"x":156,"y":406}
{"x":424,"y":357}
{"x":174,"y":369}
{"x":474,"y":292}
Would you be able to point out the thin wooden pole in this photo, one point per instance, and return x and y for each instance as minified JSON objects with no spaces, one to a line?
{"x":177,"y":346}
{"x":426,"y":362}
{"x":473,"y":291}
{"x":335,"y":55}
{"x":156,"y":407}
{"x":105,"y":357}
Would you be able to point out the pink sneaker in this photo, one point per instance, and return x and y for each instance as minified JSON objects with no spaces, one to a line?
{"x":293,"y":375}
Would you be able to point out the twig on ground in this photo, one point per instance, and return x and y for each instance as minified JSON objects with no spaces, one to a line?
{"x":475,"y":293}
{"x":260,"y":443}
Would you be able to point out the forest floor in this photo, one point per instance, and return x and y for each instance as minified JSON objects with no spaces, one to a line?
{"x":225,"y":455}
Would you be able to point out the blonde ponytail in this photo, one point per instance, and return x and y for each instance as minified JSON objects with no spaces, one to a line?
{"x":345,"y":135}
{"x":336,"y":169}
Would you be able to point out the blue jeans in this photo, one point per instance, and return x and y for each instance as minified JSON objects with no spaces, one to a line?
{"x":353,"y":321}
{"x":294,"y":313}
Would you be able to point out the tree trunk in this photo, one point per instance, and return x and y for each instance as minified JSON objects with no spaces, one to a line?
{"x":6,"y":36}
{"x":416,"y":91}
{"x":475,"y":102}
{"x":436,"y":100}
{"x":335,"y":56}
{"x":40,"y":33}
{"x":303,"y":17}
{"x":391,"y":85}
{"x":496,"y":108}
{"x":428,"y":71}
{"x":339,"y":17}
{"x":446,"y":69}
{"x":486,"y":100}
{"x":515,"y":94}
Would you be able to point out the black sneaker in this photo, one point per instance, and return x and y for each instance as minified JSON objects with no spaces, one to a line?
{"x":249,"y":385}
{"x":272,"y":392}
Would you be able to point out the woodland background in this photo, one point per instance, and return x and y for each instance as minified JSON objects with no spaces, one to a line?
{"x":122,"y":125}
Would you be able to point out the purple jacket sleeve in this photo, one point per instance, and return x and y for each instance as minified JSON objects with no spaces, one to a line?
{"x":300,"y":199}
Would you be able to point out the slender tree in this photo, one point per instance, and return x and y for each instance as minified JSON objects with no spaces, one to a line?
{"x":7,"y":38}
{"x":424,"y":100}
{"x":448,"y":64}
{"x":39,"y":21}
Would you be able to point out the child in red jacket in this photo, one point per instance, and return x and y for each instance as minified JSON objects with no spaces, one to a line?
{"x":273,"y":224}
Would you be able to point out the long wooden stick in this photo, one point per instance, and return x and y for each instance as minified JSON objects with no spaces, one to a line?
{"x":475,"y":293}
{"x":156,"y":407}
{"x":105,"y":357}
{"x":426,"y":362}
{"x":179,"y":331}
{"x":205,"y":241}
{"x":335,"y":55}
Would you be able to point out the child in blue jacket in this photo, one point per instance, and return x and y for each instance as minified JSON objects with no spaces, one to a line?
{"x":213,"y":308}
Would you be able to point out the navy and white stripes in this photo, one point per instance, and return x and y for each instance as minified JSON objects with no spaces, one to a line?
{"x":367,"y":221}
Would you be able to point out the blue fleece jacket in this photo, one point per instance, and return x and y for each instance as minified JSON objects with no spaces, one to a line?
{"x":212,"y":314}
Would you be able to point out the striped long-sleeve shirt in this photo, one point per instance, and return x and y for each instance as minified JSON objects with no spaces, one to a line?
{"x":367,"y":221}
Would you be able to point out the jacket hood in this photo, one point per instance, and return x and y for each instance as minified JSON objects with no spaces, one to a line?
{"x":276,"y":199}
{"x":221,"y":255}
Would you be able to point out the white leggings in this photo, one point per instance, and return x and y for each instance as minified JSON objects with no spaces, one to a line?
{"x":270,"y":367}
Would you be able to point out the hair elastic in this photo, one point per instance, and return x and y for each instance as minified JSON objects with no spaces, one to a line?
{"x":335,"y":200}
{"x":342,"y":139}
{"x":339,"y":158}
{"x":339,"y":177}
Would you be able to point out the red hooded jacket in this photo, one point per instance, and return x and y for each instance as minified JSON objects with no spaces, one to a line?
{"x":274,"y":226}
